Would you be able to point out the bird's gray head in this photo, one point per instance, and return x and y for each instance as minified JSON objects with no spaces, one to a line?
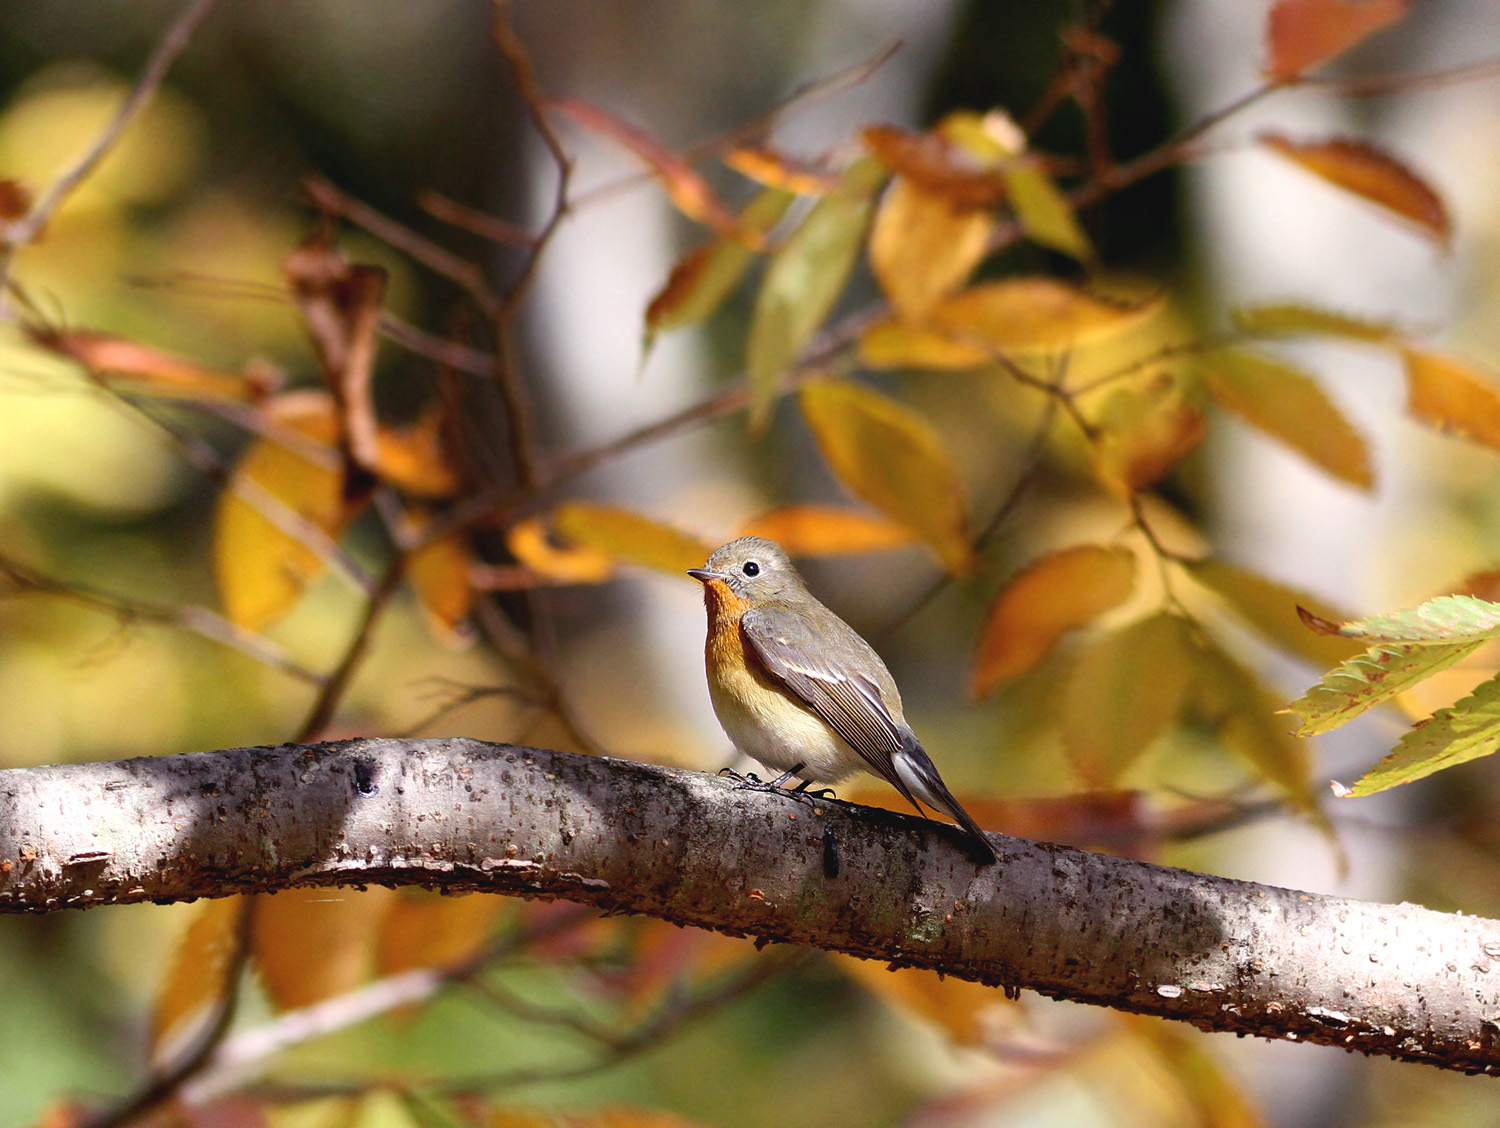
{"x":754,"y":568}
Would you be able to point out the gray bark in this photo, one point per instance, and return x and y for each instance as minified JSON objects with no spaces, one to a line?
{"x":1398,"y":980}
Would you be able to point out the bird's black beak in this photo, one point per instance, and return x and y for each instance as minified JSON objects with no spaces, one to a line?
{"x":703,"y":575}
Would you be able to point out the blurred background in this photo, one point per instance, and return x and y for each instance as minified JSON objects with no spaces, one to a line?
{"x":178,"y":240}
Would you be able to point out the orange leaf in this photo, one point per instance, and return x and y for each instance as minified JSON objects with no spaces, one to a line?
{"x":157,"y":372}
{"x":923,"y":246}
{"x":1056,"y":594}
{"x":1302,"y":34}
{"x":688,"y":191}
{"x":630,"y":537}
{"x":439,"y":575}
{"x":938,"y":165}
{"x":1360,"y":168}
{"x":1143,"y":433}
{"x":956,"y":1005}
{"x":312,"y":944}
{"x":426,"y":929}
{"x":1017,"y":315}
{"x":774,"y":170}
{"x":817,"y":530}
{"x":1452,"y":396}
{"x":528,"y":542}
{"x":413,"y":458}
{"x":278,"y":494}
{"x":198,"y":978}
{"x":891,"y":457}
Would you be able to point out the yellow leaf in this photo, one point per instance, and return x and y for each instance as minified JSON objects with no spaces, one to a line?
{"x":803,"y":280}
{"x":816,"y":530}
{"x":956,"y":1005}
{"x":1044,"y":211}
{"x":261,"y":565}
{"x":198,"y":978}
{"x":1125,"y":691}
{"x":1210,"y":1090}
{"x":426,"y":929}
{"x":1143,"y":432}
{"x":1017,"y":315}
{"x":630,"y":537}
{"x":891,"y":457}
{"x":1289,"y":406}
{"x":412,"y":458}
{"x":1360,"y":168}
{"x":1251,"y":721}
{"x":1055,"y":594}
{"x":312,"y":944}
{"x":1452,"y":396}
{"x":1271,"y":608}
{"x":923,"y":246}
{"x":439,"y":572}
{"x":776,"y":170}
{"x":528,"y":542}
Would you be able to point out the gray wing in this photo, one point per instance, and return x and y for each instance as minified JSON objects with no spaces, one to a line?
{"x":826,"y":667}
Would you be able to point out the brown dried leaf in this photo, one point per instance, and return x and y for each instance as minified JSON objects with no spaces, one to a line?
{"x":891,"y":457}
{"x":688,"y":191}
{"x":1053,"y":595}
{"x":923,"y":246}
{"x":1360,"y":168}
{"x":15,"y":200}
{"x":1452,"y":396}
{"x":936,"y":164}
{"x":1302,"y":34}
{"x":629,"y":537}
{"x":817,"y":530}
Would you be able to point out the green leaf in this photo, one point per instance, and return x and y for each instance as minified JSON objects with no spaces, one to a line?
{"x":1124,"y":692}
{"x":1289,"y":406}
{"x":1292,"y":319}
{"x":1368,"y":679}
{"x":1461,"y":732}
{"x":803,"y":281}
{"x":1448,"y":618}
{"x":704,"y":277}
{"x":1271,"y":608}
{"x":1044,"y":211}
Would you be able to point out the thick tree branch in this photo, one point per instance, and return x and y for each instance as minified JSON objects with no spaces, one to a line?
{"x":1398,"y":980}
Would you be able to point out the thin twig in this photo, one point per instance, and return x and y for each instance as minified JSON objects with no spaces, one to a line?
{"x":172,"y":43}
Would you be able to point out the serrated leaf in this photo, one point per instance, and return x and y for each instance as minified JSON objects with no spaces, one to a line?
{"x":1271,"y":608}
{"x":1017,"y":315}
{"x":802,"y":282}
{"x":1368,"y":679}
{"x":312,"y":944}
{"x":1291,"y":319}
{"x":629,"y":537}
{"x":1123,"y":693}
{"x":1363,"y":170}
{"x":1448,"y":618}
{"x":705,"y":276}
{"x":1464,"y":731}
{"x":923,"y":246}
{"x":1289,"y":406}
{"x":893,"y":458}
{"x":426,"y":929}
{"x":1302,"y":34}
{"x":261,"y":567}
{"x":1053,"y":595}
{"x":197,"y":979}
{"x":1044,"y":211}
{"x":1142,"y":432}
{"x":1452,"y":396}
{"x":820,"y":530}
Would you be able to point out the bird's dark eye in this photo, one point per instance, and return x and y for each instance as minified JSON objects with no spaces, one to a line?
{"x":751,"y":568}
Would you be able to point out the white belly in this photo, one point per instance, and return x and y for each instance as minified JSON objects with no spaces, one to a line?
{"x":782,"y":735}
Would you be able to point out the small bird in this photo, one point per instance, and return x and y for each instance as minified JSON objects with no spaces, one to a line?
{"x":798,"y":689}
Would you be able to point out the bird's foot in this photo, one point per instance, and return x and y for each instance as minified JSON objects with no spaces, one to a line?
{"x":752,"y":782}
{"x":812,"y":792}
